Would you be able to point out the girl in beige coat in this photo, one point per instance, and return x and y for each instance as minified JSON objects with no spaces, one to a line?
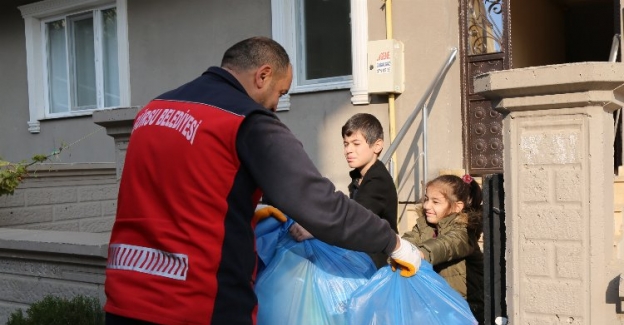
{"x":447,"y":233}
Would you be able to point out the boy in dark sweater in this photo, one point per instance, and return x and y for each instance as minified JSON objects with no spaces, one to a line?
{"x":371,"y":185}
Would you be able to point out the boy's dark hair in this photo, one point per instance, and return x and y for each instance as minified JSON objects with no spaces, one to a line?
{"x":253,"y":52}
{"x":366,"y":123}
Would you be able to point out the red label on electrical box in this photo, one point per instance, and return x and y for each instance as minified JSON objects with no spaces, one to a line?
{"x":384,"y":55}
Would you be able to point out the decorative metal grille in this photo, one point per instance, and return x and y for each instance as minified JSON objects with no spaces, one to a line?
{"x":485,"y":47}
{"x":485,"y":30}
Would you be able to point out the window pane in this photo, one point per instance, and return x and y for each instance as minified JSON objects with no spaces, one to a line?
{"x":326,"y":31}
{"x":109,"y":57}
{"x":485,"y":26}
{"x":83,"y":63}
{"x":57,"y":67}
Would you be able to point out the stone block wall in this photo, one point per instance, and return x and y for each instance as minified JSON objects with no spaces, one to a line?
{"x":558,"y":177}
{"x":618,"y":213}
{"x":552,"y":241}
{"x":36,"y":263}
{"x":67,"y":197}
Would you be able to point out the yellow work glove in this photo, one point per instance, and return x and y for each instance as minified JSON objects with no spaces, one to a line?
{"x":406,"y":257}
{"x":264,"y":211}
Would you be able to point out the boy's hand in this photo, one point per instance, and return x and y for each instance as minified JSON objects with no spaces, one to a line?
{"x":407,"y":258}
{"x":299,"y":233}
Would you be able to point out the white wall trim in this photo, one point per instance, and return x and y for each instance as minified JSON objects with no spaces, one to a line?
{"x":282,"y":25}
{"x":123,"y":53}
{"x":359,"y":43}
{"x":284,"y":32}
{"x":33,"y":15}
{"x":34,"y":70}
{"x":54,"y":7}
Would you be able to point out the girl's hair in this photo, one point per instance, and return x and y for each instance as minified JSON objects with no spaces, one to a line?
{"x":455,"y":190}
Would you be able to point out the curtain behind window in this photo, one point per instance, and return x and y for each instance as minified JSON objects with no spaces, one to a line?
{"x":57,"y":67}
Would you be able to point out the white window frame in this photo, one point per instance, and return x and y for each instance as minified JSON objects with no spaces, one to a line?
{"x":285,"y":32}
{"x":35,"y":15}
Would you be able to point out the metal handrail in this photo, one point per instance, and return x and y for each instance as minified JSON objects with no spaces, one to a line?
{"x":423,"y":103}
{"x":615,"y":46}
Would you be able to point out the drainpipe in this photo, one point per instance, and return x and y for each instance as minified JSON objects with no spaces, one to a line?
{"x":391,"y":96}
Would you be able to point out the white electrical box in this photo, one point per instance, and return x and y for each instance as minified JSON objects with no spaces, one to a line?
{"x":386,"y":72}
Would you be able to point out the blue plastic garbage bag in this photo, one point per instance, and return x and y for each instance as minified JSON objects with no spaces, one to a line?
{"x":309,"y":282}
{"x":425,"y":298}
{"x":268,"y":231}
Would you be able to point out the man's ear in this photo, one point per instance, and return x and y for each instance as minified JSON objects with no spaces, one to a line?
{"x":263,"y":76}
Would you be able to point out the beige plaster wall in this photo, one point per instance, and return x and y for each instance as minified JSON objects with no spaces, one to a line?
{"x":428,"y":30}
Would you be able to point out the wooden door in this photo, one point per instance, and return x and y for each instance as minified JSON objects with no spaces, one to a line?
{"x":485,"y":46}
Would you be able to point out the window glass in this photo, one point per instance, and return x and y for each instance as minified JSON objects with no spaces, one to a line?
{"x":83,"y":67}
{"x":82,"y":62}
{"x":57,"y":67}
{"x":111,"y":58}
{"x":324,"y":32}
{"x":77,"y":57}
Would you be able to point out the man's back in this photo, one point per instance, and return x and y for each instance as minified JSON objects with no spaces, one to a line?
{"x":183,"y":204}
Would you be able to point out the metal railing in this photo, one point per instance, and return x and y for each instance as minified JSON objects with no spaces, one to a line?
{"x":426,"y":101}
{"x":615,"y":46}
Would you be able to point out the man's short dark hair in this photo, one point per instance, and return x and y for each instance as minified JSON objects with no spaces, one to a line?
{"x":253,"y":52}
{"x":366,"y":123}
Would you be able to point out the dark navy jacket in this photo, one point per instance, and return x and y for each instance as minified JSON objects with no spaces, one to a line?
{"x":182,"y":249}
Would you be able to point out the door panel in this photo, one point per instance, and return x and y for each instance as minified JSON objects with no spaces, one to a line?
{"x":485,"y":47}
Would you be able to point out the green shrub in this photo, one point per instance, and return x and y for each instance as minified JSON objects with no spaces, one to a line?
{"x":52,"y":310}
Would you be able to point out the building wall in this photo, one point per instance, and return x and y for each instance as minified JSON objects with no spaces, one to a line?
{"x":172,"y":43}
{"x":428,"y":30}
{"x":67,"y":197}
{"x":14,"y":106}
{"x":36,"y":264}
{"x":161,"y":60}
{"x":166,"y":52}
{"x":16,"y":142}
{"x":561,"y":259}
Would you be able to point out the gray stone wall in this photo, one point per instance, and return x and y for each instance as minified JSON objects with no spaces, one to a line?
{"x":68,"y":197}
{"x":36,"y":263}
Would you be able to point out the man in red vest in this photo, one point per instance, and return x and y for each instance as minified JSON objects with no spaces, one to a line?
{"x":182,"y":249}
